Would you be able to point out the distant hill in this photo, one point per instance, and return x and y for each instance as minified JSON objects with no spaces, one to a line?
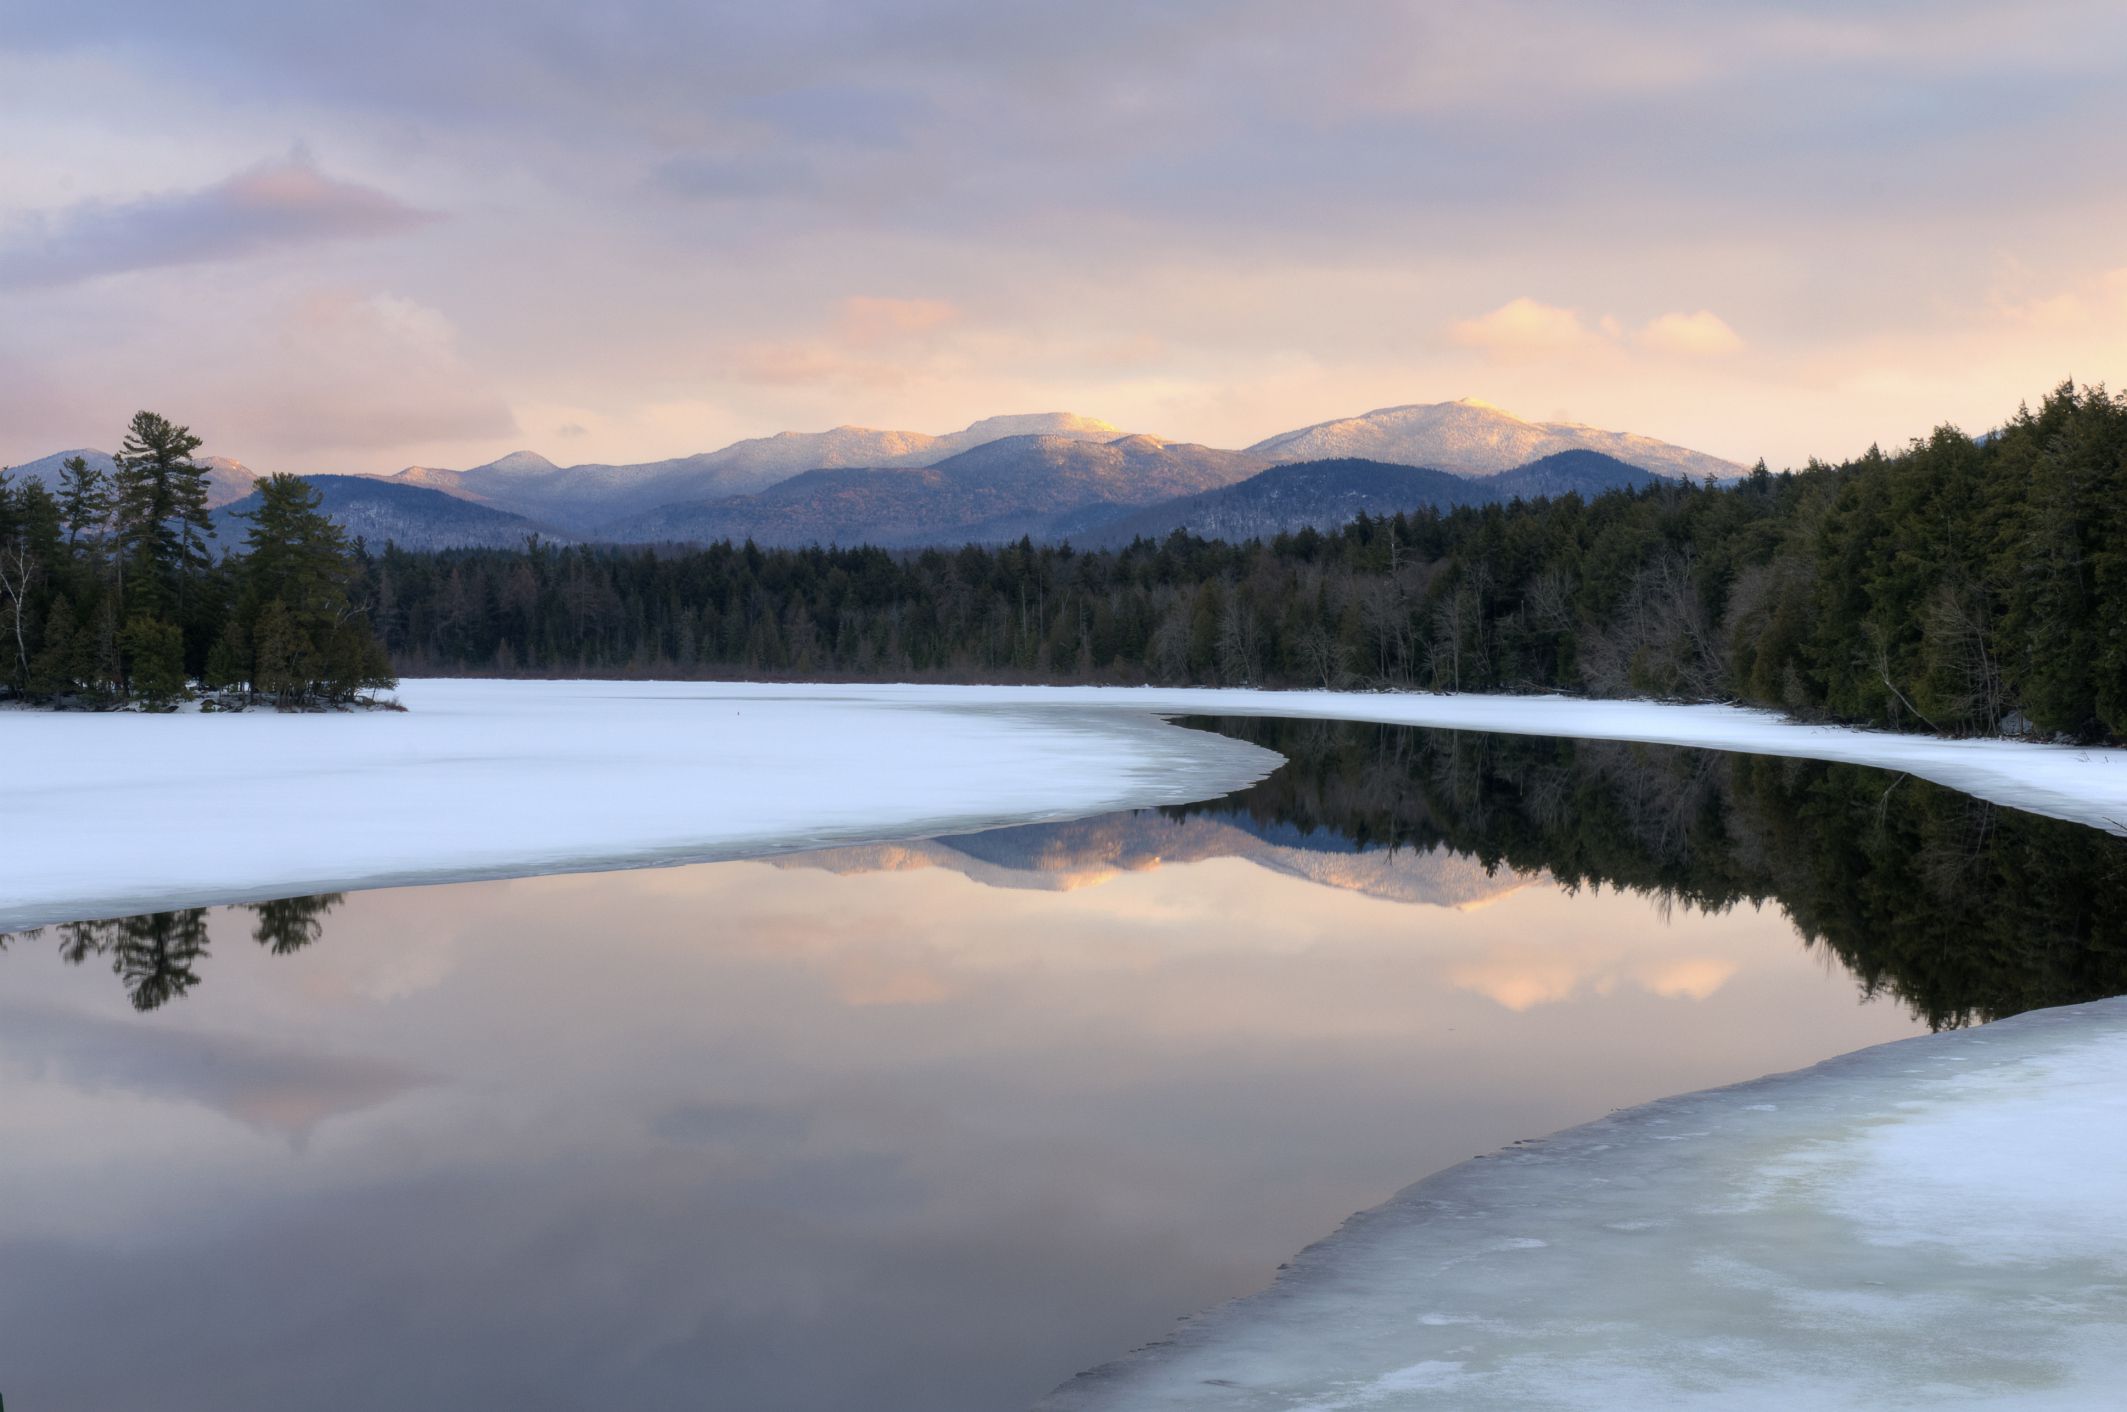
{"x":1588,"y":473}
{"x":384,"y":512}
{"x":1330,"y":494}
{"x":227,"y":480}
{"x":1014,"y":486}
{"x":583,"y":499}
{"x":1324,"y":494}
{"x":1472,"y":438}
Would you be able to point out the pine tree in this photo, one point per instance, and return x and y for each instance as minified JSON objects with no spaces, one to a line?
{"x":229,"y":660}
{"x":60,"y":663}
{"x":155,"y":660}
{"x":159,"y":524}
{"x":278,"y":668}
{"x":84,"y":498}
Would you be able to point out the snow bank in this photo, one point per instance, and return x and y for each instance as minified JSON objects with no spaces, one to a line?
{"x":117,"y":814}
{"x":2085,"y":786}
{"x":491,"y":779}
{"x":1938,"y":1222}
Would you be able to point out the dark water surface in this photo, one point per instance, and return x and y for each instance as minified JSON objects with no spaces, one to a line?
{"x":936,"y":1125}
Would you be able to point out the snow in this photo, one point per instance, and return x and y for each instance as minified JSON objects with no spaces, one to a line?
{"x":1938,"y":1222}
{"x":1941,"y":1221}
{"x":1474,"y":438}
{"x":2082,"y":785}
{"x":491,"y":779}
{"x":115,"y":814}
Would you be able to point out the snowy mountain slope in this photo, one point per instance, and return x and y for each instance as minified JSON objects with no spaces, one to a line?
{"x":1474,"y":438}
{"x":583,"y":497}
{"x":227,"y":480}
{"x":382,"y":512}
{"x":1321,"y":494}
{"x":1017,"y":485}
{"x":1326,"y":495}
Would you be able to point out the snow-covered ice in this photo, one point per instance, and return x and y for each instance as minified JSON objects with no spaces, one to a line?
{"x":2083,"y":785}
{"x":1938,"y":1222}
{"x":131,"y":813}
{"x":488,"y":779}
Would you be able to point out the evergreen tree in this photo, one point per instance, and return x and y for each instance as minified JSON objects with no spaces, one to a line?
{"x":155,"y":660}
{"x":160,"y":526}
{"x":84,"y":498}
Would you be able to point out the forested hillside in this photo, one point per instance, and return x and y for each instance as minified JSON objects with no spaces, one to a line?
{"x":1957,"y":585}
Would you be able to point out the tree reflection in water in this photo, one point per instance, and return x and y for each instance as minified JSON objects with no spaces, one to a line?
{"x":1962,"y":910}
{"x":156,"y":954}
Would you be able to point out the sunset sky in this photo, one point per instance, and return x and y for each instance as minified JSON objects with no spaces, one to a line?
{"x":341,"y":237}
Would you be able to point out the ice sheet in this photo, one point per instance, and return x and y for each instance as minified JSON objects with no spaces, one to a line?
{"x":1939,"y":1222}
{"x":111,"y":814}
{"x":114,"y":814}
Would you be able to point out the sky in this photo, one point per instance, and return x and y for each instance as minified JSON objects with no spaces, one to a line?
{"x":353,"y":238}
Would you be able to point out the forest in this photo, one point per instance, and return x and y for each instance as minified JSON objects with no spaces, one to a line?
{"x":114,"y":592}
{"x":1960,"y":585}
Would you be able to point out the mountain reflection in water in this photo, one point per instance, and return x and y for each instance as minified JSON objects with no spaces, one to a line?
{"x":1963,"y":910}
{"x":933,"y":1135}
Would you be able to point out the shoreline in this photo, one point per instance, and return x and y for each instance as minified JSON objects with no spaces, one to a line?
{"x":483,"y":778}
{"x":1935,"y":1221}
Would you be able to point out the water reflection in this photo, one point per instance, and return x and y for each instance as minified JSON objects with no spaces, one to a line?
{"x":930,"y":1127}
{"x":1963,"y":910}
{"x":156,"y":955}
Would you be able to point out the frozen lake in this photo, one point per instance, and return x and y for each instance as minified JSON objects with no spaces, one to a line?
{"x":937,"y":1124}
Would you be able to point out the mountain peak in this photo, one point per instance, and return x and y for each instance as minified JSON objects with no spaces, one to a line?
{"x":521,"y":462}
{"x":1474,"y":438}
{"x":1068,"y":424}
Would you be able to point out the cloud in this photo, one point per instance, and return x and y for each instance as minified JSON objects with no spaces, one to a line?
{"x":358,"y":372}
{"x":275,"y":205}
{"x":1527,"y":328}
{"x":872,"y":342}
{"x":570,"y":431}
{"x":867,"y":321}
{"x":1524,"y":326}
{"x":2099,"y":302}
{"x":1702,"y":334}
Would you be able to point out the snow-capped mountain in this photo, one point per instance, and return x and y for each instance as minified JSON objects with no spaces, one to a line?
{"x":1047,"y":487}
{"x":1473,"y":438}
{"x":1050,"y":475}
{"x":581,"y":498}
{"x":227,"y":481}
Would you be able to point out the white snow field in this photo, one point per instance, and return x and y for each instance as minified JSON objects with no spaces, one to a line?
{"x":479,"y":779}
{"x":1940,"y":1222}
{"x":116,"y":814}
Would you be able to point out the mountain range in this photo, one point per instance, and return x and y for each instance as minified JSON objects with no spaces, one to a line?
{"x":227,"y":481}
{"x":1049,"y":476}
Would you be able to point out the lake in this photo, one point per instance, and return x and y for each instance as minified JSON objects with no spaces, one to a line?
{"x":936,"y":1125}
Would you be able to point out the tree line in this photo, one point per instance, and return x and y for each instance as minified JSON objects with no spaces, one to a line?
{"x":1959,"y":585}
{"x":112,"y":591}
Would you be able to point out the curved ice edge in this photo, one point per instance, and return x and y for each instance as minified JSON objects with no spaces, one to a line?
{"x":1939,"y":1220}
{"x":1055,"y":761}
{"x":2081,"y":784}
